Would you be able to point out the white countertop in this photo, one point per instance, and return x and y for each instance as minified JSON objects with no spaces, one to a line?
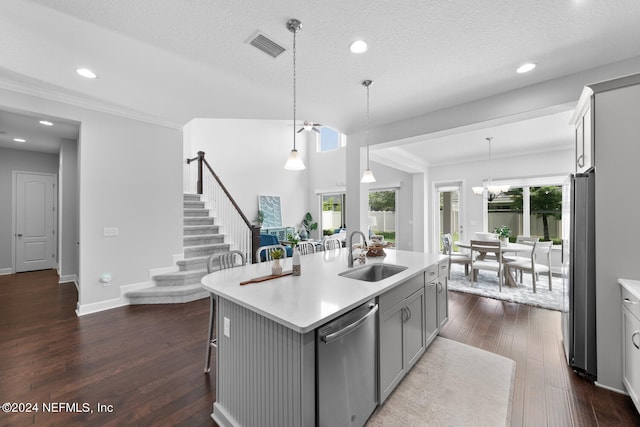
{"x":632,"y":286}
{"x":302,"y":303}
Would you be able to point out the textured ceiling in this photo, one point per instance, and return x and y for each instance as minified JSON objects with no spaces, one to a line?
{"x":176,"y":60}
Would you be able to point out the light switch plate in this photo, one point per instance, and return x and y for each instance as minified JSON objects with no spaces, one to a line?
{"x":227,"y":327}
{"x":111,"y":231}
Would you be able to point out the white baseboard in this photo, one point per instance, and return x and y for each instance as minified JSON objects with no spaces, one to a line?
{"x":95,"y":307}
{"x":606,"y":387}
{"x":5,"y":271}
{"x":69,"y":278}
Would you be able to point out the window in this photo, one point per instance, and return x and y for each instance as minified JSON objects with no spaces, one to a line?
{"x":330,"y":139}
{"x":333,"y":212}
{"x":382,"y":214}
{"x":532,"y":209}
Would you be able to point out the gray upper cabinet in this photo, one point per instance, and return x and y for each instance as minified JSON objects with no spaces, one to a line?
{"x":583,"y":123}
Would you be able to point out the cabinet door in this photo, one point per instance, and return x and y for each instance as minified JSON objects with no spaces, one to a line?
{"x":631,"y":355}
{"x":443,"y":301}
{"x":392,"y":367}
{"x":414,"y":337}
{"x":431,"y":311}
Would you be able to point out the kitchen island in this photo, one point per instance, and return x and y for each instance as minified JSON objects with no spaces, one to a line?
{"x":266,"y":355}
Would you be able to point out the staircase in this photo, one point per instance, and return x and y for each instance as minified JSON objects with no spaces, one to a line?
{"x":201,"y":239}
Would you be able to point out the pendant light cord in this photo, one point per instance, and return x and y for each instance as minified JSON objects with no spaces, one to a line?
{"x":294,"y":89}
{"x":368,"y":126}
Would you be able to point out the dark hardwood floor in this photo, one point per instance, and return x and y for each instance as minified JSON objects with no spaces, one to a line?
{"x":547,"y":391}
{"x":147,"y":361}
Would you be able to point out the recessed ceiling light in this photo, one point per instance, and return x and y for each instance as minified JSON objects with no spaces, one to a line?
{"x":85,"y":72}
{"x":525,"y":68}
{"x":19,"y":140}
{"x":46,"y":123}
{"x":359,"y":46}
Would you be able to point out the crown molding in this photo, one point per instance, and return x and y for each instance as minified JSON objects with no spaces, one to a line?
{"x":83,"y":102}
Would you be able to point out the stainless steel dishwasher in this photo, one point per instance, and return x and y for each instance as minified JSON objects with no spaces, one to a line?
{"x":346,"y":368}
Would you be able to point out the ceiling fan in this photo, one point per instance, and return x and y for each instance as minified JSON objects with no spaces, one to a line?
{"x":309,"y":126}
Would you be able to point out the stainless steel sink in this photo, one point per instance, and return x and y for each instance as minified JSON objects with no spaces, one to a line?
{"x":373,"y":272}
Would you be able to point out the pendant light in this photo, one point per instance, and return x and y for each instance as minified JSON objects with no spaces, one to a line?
{"x":367,"y":175}
{"x":294,"y":162}
{"x":493,"y":191}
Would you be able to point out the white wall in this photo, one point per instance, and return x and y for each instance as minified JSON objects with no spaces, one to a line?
{"x":68,"y":208}
{"x":16,"y":160}
{"x":249,"y":158}
{"x":129,"y":177}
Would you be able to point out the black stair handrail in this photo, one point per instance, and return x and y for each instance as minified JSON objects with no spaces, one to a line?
{"x":255,"y":230}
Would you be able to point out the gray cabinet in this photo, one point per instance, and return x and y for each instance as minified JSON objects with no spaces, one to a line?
{"x":402,"y":333}
{"x":583,"y":123}
{"x":443,"y":296}
{"x":431,"y":311}
{"x":631,"y":345}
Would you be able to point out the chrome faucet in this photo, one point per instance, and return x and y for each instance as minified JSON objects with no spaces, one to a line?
{"x":349,"y":242}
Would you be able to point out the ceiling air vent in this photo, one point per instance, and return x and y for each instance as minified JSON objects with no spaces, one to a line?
{"x":266,"y":45}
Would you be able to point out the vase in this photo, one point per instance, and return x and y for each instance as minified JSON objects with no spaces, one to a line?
{"x":304,"y":235}
{"x":504,"y":240}
{"x":276,"y":268}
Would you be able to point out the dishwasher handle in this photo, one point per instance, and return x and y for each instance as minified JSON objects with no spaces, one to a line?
{"x":350,"y":327}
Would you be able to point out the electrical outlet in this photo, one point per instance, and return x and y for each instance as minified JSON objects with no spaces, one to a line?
{"x":227,"y":327}
{"x":111,"y":231}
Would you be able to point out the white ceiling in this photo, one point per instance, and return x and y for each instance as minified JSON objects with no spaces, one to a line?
{"x":176,"y":60}
{"x":38,"y":137}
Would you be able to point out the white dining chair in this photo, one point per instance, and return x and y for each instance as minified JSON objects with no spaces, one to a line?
{"x":267,"y":250}
{"x":454,"y":257}
{"x":305,"y":248}
{"x":332,"y":243}
{"x":532,"y":264}
{"x":480,"y":261}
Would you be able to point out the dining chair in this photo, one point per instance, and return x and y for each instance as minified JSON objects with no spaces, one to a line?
{"x":305,"y":248}
{"x":266,"y":251}
{"x":531,"y":264}
{"x":332,"y":243}
{"x":479,"y":260}
{"x":523,"y":240}
{"x":224,"y":260}
{"x":454,"y":257}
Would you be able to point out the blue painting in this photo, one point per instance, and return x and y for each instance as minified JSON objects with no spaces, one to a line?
{"x":270,"y":205}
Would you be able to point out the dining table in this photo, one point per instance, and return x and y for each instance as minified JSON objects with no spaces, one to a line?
{"x":505,"y":247}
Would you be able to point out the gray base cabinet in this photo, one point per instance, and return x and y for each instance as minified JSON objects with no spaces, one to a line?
{"x":402,"y":332}
{"x":443,"y":296}
{"x":431,"y":311}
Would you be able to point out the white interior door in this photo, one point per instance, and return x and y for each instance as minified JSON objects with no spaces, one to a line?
{"x":35,"y":221}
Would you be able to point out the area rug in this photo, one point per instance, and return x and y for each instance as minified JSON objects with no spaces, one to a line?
{"x":453,"y":384}
{"x":487,"y":286}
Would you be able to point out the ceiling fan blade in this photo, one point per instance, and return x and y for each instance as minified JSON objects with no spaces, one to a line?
{"x":315,"y":130}
{"x":301,"y":129}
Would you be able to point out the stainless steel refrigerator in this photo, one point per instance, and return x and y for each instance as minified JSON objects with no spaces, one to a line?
{"x":579,"y":273}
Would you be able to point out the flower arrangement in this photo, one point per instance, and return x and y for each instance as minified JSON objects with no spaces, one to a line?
{"x":503,"y":231}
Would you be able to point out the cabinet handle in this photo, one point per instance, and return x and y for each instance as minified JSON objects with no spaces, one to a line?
{"x":408,"y":314}
{"x":633,"y":339}
{"x":580,"y":160}
{"x":628,"y":301}
{"x":440,"y":287}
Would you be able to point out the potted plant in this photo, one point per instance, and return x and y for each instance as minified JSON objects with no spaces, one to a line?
{"x":308,"y":226}
{"x":503,"y":232}
{"x":276,"y":255}
{"x":260,"y":218}
{"x":292,"y":240}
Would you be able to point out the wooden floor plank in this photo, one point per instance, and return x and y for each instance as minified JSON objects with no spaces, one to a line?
{"x":147,"y":361}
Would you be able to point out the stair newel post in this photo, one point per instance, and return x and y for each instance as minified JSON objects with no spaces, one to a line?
{"x":255,"y":242}
{"x":200,"y":167}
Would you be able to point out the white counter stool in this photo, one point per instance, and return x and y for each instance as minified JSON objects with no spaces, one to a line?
{"x":225,"y":260}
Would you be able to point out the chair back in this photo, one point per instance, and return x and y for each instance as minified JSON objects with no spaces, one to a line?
{"x":305,"y":248}
{"x":266,"y":251}
{"x":446,"y":244}
{"x":544,"y":249}
{"x":332,"y":243}
{"x":485,"y":246}
{"x":228,"y":259}
{"x":527,"y":239}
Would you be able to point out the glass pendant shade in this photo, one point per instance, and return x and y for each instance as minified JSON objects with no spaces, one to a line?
{"x":367,"y":176}
{"x":294,"y":162}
